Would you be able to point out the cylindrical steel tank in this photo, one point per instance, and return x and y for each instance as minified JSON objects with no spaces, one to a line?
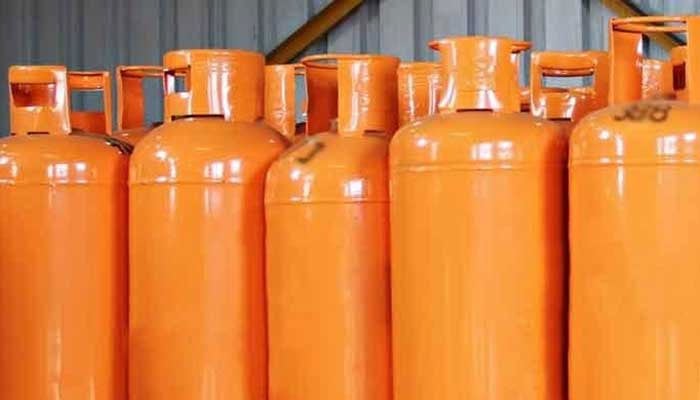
{"x":568,"y":105}
{"x":634,"y":211}
{"x":328,"y":306}
{"x":197,"y":316}
{"x":131,"y":101}
{"x":280,"y":100}
{"x":87,"y":120}
{"x":63,"y":249}
{"x":477,"y":238}
{"x":657,"y":79}
{"x":418,"y":90}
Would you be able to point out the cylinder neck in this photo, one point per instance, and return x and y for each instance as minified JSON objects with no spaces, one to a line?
{"x":367,"y":92}
{"x":216,"y":82}
{"x":39,"y":101}
{"x":478,"y":74}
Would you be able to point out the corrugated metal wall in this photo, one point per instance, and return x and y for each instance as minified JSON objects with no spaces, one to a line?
{"x":100,"y":34}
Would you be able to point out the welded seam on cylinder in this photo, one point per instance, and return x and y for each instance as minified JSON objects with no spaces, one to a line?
{"x":237,"y":182}
{"x":46,"y":183}
{"x":477,"y":167}
{"x":634,"y":163}
{"x":325,"y":201}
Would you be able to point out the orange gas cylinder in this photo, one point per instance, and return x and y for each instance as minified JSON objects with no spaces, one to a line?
{"x":419,"y":90}
{"x":634,"y":214}
{"x":131,"y":104}
{"x":197,"y":317}
{"x":567,"y":106}
{"x":63,"y":250}
{"x":328,"y":309}
{"x":657,"y":79}
{"x":477,"y":238}
{"x":280,"y":100}
{"x":92,"y":121}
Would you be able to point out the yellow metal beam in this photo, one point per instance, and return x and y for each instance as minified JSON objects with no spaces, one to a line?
{"x":313,"y":29}
{"x":625,"y":8}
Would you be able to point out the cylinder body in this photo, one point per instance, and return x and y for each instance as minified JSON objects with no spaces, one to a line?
{"x":329,"y":320}
{"x":197,"y":319}
{"x":63,"y":271}
{"x":634,"y":272}
{"x":478,"y":281}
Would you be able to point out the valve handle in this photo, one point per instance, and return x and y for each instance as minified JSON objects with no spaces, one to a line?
{"x":130,"y":94}
{"x":92,"y":121}
{"x":280,"y":97}
{"x":39,"y":101}
{"x":571,"y":103}
{"x":367,"y":94}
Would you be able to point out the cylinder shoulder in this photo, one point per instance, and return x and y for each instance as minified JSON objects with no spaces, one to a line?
{"x":205,"y":151}
{"x":479,"y":140}
{"x":62,"y":159}
{"x":646,"y":132}
{"x":330,"y":168}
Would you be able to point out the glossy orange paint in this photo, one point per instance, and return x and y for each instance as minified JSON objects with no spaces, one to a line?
{"x":131,"y":115}
{"x":92,"y":121}
{"x":328,"y":306}
{"x":566,"y":106}
{"x":634,"y":212}
{"x":322,"y":98}
{"x":207,"y":91}
{"x":280,"y":99}
{"x":657,"y":79}
{"x":197,"y":317}
{"x":518,"y":49}
{"x":477,"y":238}
{"x":419,"y":90}
{"x":63,"y":249}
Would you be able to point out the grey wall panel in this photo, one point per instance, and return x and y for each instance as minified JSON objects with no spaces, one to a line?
{"x":101,"y":34}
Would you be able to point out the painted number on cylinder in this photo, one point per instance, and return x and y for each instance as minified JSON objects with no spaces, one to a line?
{"x":644,"y":112}
{"x":317,"y":147}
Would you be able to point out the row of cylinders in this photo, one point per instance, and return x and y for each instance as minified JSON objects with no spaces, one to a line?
{"x":357,"y":263}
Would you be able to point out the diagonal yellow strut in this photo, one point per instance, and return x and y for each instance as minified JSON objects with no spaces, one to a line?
{"x":313,"y":29}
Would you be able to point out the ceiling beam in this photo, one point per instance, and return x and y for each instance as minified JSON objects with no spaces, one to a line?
{"x":313,"y":29}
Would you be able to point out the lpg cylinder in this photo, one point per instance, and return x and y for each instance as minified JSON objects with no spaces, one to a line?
{"x":63,"y":249}
{"x":634,"y":214}
{"x":197,"y":317}
{"x":566,"y":106}
{"x":419,"y":90}
{"x":328,"y":306}
{"x":131,"y":101}
{"x":657,"y":79}
{"x":280,"y":99}
{"x":477,"y":238}
{"x":92,"y":121}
